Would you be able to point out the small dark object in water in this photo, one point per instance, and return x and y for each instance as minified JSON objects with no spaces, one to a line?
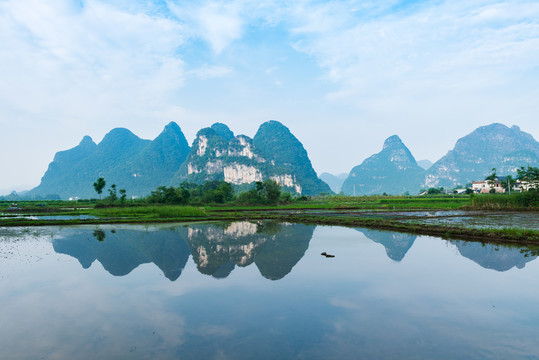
{"x":327,"y":255}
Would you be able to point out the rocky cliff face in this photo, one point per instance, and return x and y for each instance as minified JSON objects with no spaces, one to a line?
{"x":474,"y":156}
{"x":393,"y":171}
{"x":274,"y":153}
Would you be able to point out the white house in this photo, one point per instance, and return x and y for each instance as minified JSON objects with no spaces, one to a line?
{"x":484,"y":186}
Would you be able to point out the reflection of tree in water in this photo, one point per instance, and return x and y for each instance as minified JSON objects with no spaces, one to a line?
{"x":99,"y":235}
{"x":494,"y":256}
{"x":274,"y":247}
{"x":125,"y":250}
{"x":396,"y":244}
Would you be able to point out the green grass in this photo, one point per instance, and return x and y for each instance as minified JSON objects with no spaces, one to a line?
{"x":525,"y":200}
{"x":358,"y":202}
{"x":168,"y":211}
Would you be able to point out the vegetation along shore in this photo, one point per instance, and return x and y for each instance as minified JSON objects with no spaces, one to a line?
{"x":216,"y":201}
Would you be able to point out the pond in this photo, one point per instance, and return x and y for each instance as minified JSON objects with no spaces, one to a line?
{"x":262,"y":290}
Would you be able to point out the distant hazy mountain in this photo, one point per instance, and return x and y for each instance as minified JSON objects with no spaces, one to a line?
{"x":334,"y":181}
{"x":393,"y":171}
{"x":425,"y":164}
{"x":273,"y":153}
{"x":122,"y":158}
{"x":474,"y":156}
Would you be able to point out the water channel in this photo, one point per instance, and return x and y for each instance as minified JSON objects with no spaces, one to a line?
{"x":262,"y":290}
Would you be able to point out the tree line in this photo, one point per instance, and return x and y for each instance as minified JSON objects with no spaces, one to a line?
{"x":210,"y":192}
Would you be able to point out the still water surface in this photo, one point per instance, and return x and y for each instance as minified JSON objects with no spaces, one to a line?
{"x":246,"y":291}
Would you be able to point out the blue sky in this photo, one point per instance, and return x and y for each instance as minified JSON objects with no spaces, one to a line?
{"x":342,"y":75}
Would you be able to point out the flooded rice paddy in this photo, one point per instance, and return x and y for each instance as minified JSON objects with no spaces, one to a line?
{"x":262,"y":290}
{"x":461,"y":218}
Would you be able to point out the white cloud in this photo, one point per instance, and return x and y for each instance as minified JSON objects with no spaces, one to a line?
{"x":92,"y":57}
{"x":470,"y":43}
{"x":80,"y":70}
{"x":209,"y":72}
{"x":218,"y":23}
{"x":386,"y":67}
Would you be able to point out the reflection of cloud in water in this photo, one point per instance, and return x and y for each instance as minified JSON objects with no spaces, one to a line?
{"x":97,"y":322}
{"x":396,"y":244}
{"x":492,"y":256}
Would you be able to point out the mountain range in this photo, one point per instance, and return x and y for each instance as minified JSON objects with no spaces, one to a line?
{"x":140,"y":165}
{"x":395,"y":171}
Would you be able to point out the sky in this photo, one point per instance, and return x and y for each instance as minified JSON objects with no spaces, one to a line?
{"x":341,"y":75}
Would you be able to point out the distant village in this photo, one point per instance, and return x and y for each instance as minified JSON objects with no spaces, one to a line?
{"x":497,"y":185}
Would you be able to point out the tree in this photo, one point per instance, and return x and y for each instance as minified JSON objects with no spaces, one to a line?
{"x":267,"y":191}
{"x":99,"y":185}
{"x":169,"y":195}
{"x":530,"y":175}
{"x":272,"y":190}
{"x":99,"y":235}
{"x":491,"y":179}
{"x":123,"y":194}
{"x":217,"y":192}
{"x":435,"y":191}
{"x":508,"y":183}
{"x":493,"y":176}
{"x":113,"y":195}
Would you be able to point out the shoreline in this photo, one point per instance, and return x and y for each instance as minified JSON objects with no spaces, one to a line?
{"x":520,"y":236}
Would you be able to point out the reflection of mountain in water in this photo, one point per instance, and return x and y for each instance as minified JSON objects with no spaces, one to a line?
{"x":217,"y":249}
{"x":275,"y":248}
{"x":121,"y":251}
{"x":396,"y":244}
{"x":491,"y":256}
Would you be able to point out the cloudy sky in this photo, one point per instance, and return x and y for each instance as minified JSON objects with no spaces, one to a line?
{"x":342,"y":75}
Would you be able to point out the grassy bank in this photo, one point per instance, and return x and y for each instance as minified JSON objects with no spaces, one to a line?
{"x":526,"y":200}
{"x":150,"y":212}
